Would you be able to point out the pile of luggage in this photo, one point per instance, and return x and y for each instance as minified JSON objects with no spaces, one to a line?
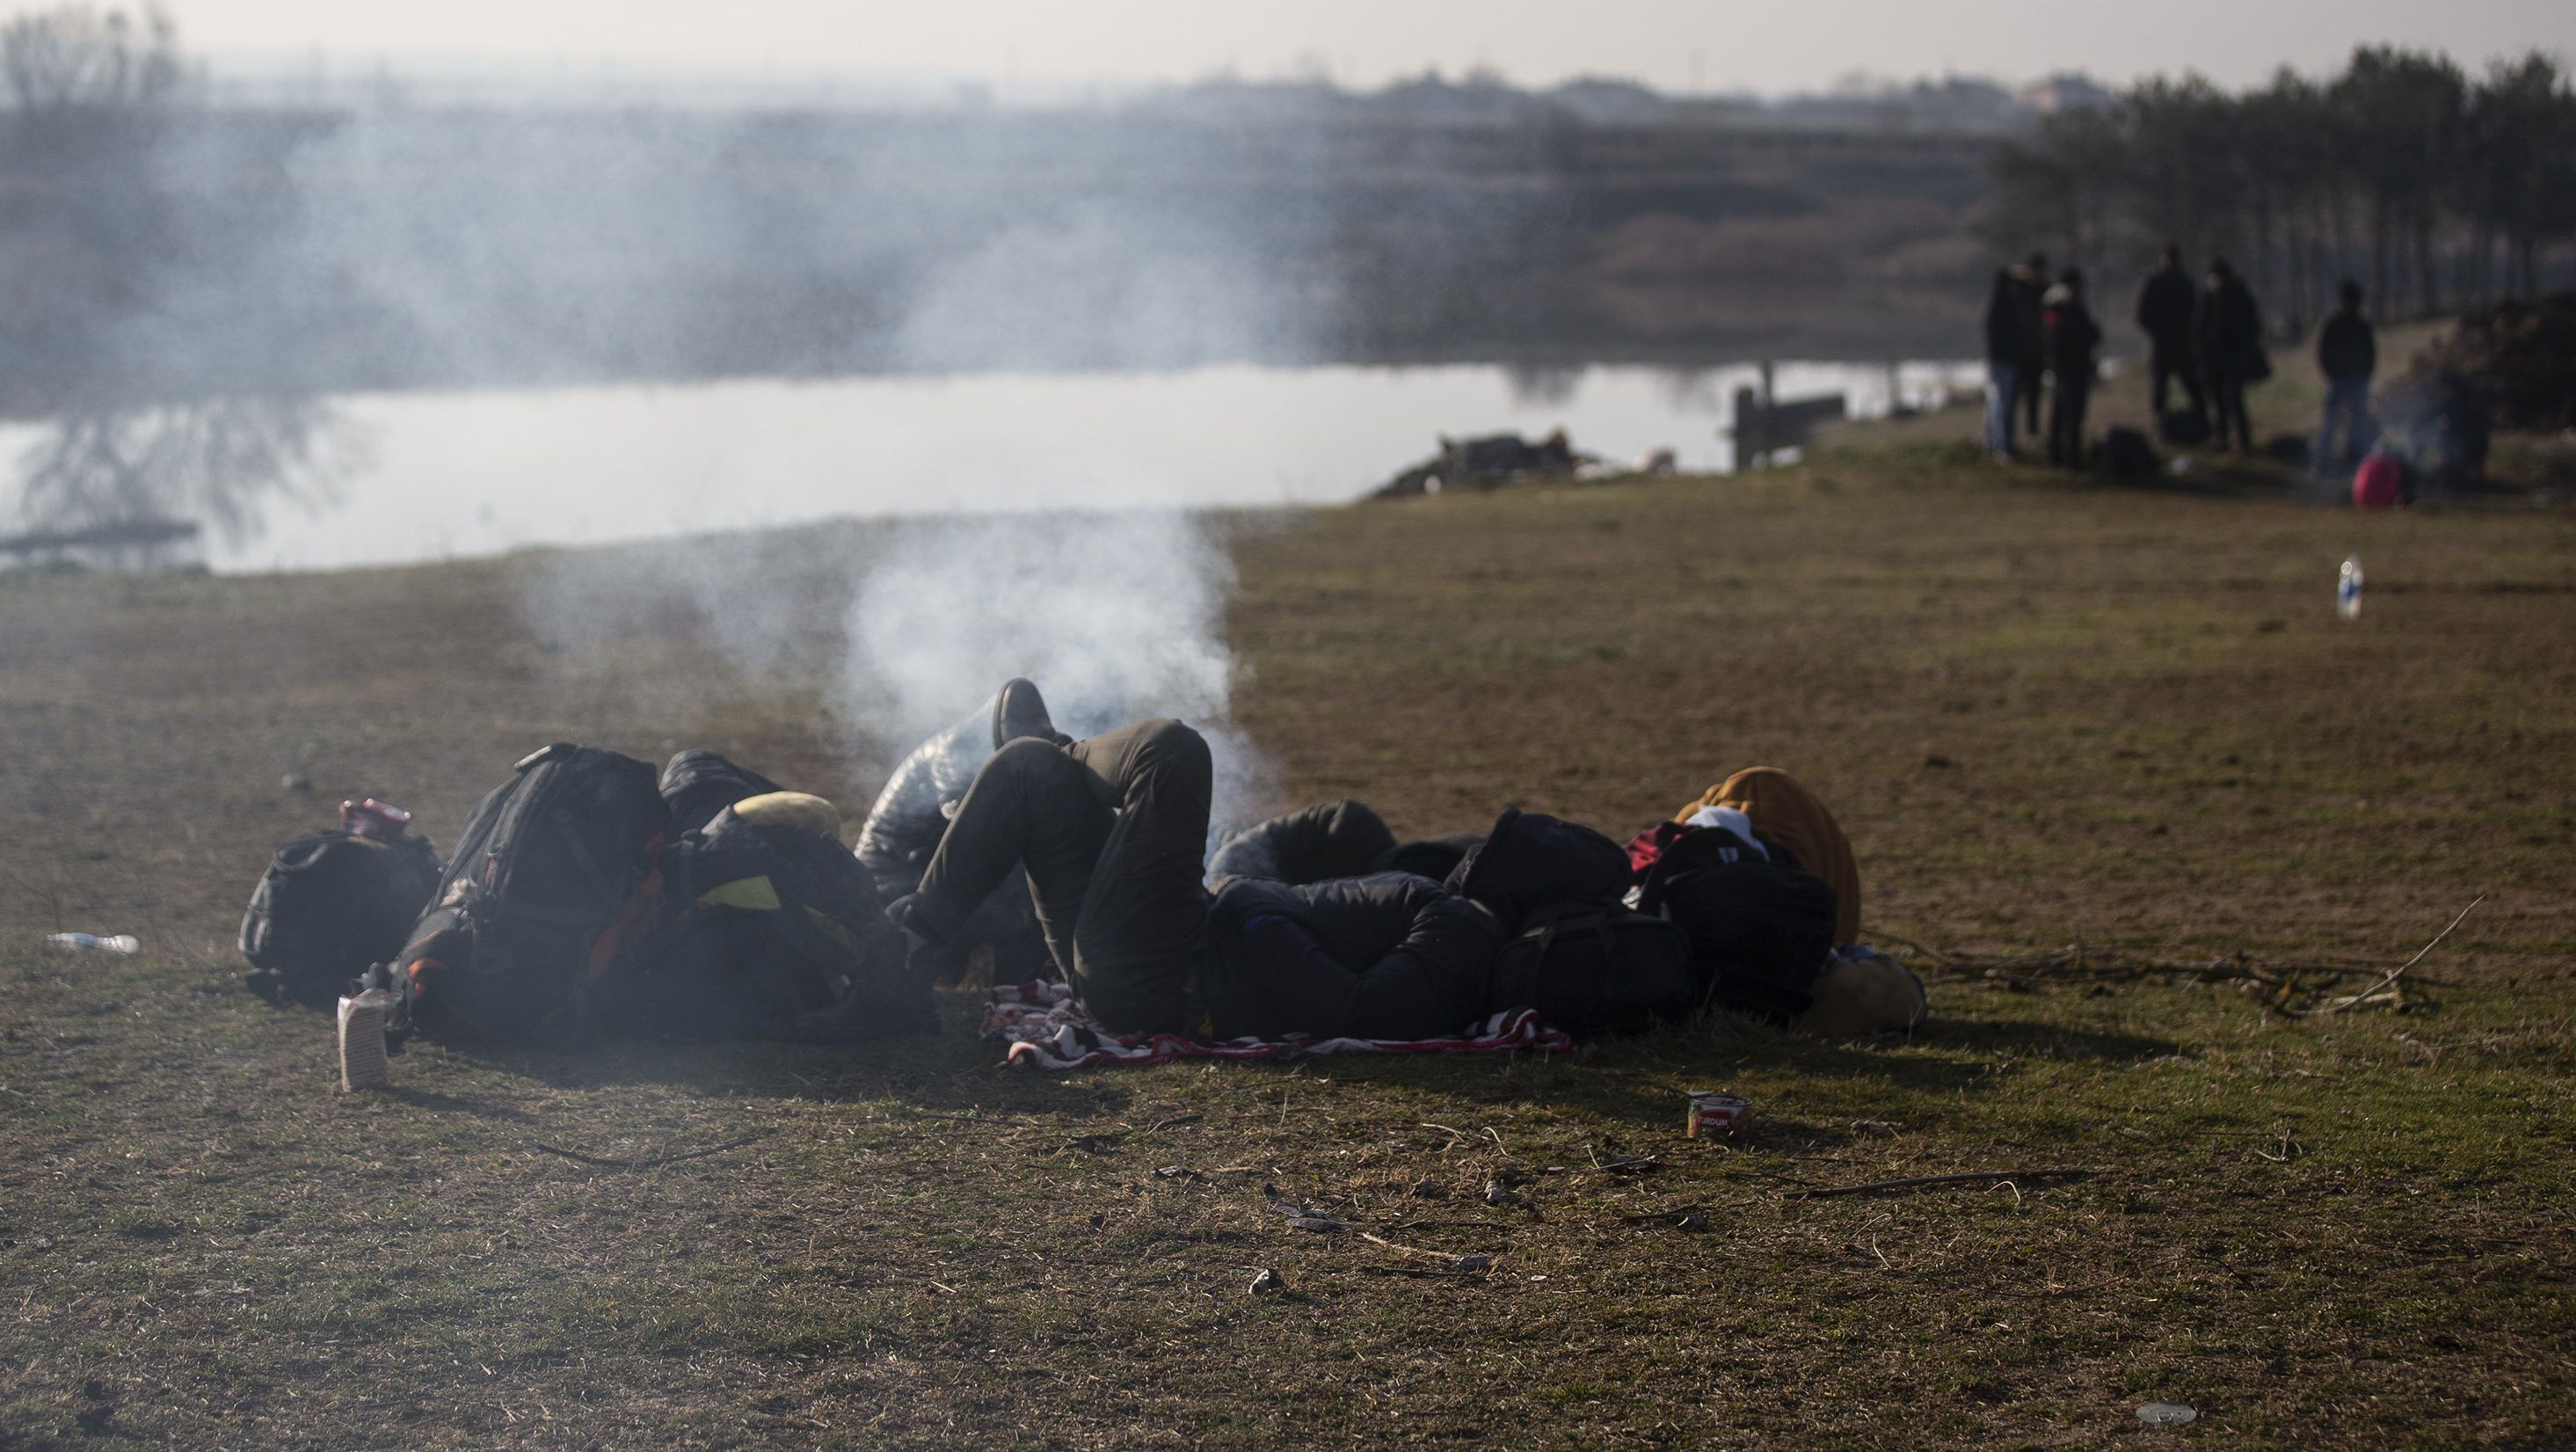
{"x":588,"y":897}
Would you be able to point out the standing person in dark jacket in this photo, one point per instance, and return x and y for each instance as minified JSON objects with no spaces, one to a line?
{"x":2229,"y":330}
{"x":2074,"y":342}
{"x":2165,"y":305}
{"x":2003,"y":362}
{"x":2347,"y":353}
{"x":2030,"y":344}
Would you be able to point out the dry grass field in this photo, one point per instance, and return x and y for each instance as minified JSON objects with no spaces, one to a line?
{"x":2086,"y":731}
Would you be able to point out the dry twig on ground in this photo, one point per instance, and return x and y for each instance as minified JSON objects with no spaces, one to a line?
{"x":2298,"y":990}
{"x":1989,"y":1177}
{"x":645,"y":1163}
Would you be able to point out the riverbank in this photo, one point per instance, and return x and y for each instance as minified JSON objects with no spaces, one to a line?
{"x":2083,"y":737}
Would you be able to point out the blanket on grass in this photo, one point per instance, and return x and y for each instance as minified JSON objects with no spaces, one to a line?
{"x":1046,"y":1029}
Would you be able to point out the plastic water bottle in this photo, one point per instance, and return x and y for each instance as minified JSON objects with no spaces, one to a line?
{"x":92,"y":943}
{"x":2348,"y":589}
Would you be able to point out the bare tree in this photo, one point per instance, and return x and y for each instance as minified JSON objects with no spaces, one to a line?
{"x":2436,"y":168}
{"x":83,"y":66}
{"x":86,"y":101}
{"x":223,"y":461}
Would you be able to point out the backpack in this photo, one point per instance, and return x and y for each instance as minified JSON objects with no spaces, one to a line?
{"x":553,"y":873}
{"x":1590,"y":969}
{"x":1578,"y":956}
{"x":329,"y":904}
{"x":1759,"y":928}
{"x":2125,"y":455}
{"x":2182,"y":426}
{"x":1531,"y":860}
{"x":1431,"y":857}
{"x":779,"y":935}
{"x":699,"y":784}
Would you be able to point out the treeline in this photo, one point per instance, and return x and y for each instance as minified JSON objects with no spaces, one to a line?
{"x":2432,"y":187}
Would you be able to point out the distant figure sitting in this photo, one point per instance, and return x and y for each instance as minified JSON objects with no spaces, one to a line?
{"x":2347,"y":354}
{"x":2074,"y":340}
{"x":2229,"y":329}
{"x":2165,"y":305}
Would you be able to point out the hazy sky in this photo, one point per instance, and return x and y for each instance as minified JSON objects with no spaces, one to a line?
{"x":1717,"y":44}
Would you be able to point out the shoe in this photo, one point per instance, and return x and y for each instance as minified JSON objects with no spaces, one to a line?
{"x":934,"y":940}
{"x":1018,"y":710}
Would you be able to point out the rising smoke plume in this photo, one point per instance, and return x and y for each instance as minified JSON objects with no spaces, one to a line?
{"x":905,"y":627}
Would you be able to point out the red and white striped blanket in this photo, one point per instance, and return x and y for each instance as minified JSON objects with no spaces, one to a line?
{"x":1046,"y":1029}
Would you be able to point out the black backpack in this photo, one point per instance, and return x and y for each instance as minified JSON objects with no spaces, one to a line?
{"x":554,"y":872}
{"x":2183,"y":427}
{"x":1760,"y":928}
{"x":2125,"y":455}
{"x":1578,"y":955}
{"x":777,"y":933}
{"x":699,"y":784}
{"x":330,"y":904}
{"x":1590,"y":969}
{"x":1531,"y":860}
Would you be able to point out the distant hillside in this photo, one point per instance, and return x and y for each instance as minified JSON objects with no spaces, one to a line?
{"x":409,"y":247}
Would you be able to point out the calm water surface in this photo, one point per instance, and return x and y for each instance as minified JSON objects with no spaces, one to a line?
{"x":426,"y":476}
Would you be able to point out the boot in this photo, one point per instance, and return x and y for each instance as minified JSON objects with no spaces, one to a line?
{"x":1018,"y":710}
{"x":935,"y":939}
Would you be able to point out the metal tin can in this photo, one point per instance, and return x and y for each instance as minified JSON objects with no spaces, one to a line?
{"x":372,"y":818}
{"x":362,"y":1040}
{"x":1715,"y":1116}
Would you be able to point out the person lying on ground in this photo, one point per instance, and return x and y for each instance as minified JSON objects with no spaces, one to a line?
{"x":780,"y":935}
{"x":1859,"y":992}
{"x":1383,"y":956}
{"x":903,"y":829}
{"x":1111,"y":830}
{"x":1339,"y":839}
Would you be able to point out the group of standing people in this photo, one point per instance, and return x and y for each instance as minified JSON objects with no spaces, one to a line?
{"x":2206,"y":336}
{"x":2041,"y":337}
{"x":2209,"y":338}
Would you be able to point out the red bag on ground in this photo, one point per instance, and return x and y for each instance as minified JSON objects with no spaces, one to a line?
{"x":2379,"y":482}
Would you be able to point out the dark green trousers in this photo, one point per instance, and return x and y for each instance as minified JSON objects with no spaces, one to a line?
{"x":1113,"y":832}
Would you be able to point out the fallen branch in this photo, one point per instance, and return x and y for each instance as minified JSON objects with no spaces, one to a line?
{"x":644,"y":1164}
{"x":1916,"y":1181}
{"x":2297,"y":990}
{"x":1455,"y":1262}
{"x":2389,"y":982}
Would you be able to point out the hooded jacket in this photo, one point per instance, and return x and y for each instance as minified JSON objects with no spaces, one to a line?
{"x":1389,"y":956}
{"x":1339,"y":839}
{"x":2165,"y":303}
{"x":2072,"y":334}
{"x":2230,"y":330}
{"x":2347,"y":348}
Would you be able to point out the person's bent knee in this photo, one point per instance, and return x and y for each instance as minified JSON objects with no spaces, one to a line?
{"x":1171,"y":745}
{"x":1028,"y":758}
{"x":1168,"y":762}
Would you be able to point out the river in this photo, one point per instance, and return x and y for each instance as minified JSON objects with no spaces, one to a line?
{"x":394,"y":478}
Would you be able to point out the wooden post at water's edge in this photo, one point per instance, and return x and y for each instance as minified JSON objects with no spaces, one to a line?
{"x":1764,"y":426}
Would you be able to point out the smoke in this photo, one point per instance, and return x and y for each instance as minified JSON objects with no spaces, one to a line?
{"x":1098,"y":289}
{"x":1115,"y":616}
{"x":905,"y":627}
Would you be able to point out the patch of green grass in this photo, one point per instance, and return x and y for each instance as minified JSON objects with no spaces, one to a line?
{"x":2048,"y":713}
